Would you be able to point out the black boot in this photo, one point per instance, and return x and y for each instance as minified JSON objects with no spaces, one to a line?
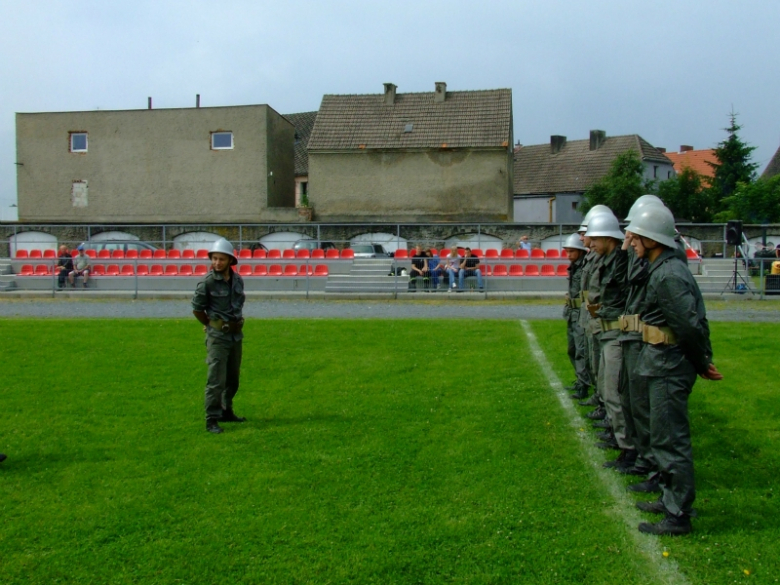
{"x":213,"y":427}
{"x":580,"y":393}
{"x":592,"y":401}
{"x":649,"y":486}
{"x":656,"y":507}
{"x":599,"y":414}
{"x":230,"y":416}
{"x":671,"y":525}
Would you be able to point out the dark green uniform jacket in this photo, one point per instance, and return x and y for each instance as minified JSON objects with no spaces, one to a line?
{"x":575,"y":287}
{"x":220,"y":300}
{"x":612,"y":287}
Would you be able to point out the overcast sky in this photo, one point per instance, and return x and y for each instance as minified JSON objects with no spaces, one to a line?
{"x":667,"y":70}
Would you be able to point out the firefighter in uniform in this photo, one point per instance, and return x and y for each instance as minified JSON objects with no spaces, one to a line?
{"x":675,"y":348}
{"x":218,"y":303}
{"x":577,"y":346}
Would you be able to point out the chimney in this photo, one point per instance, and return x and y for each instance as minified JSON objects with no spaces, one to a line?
{"x":441,"y":92}
{"x":197,"y":100}
{"x":149,"y":103}
{"x":390,"y":93}
{"x":597,"y":138}
{"x":557,"y":143}
{"x":685,"y":148}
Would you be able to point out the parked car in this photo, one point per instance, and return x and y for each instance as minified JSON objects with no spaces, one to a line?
{"x":258,"y":246}
{"x":124,"y":245}
{"x":370,"y":251}
{"x":313,"y":245}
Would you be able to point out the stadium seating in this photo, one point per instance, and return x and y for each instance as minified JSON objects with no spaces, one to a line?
{"x":537,"y":253}
{"x":522,"y":253}
{"x":174,"y":254}
{"x":185,"y":270}
{"x":499,"y":270}
{"x":171,"y":270}
{"x":98,"y":270}
{"x":259,"y":253}
{"x":201,"y":253}
{"x":245,"y":253}
{"x":42,"y":270}
{"x":477,"y":252}
{"x":22,"y":254}
{"x":156,"y":270}
{"x":118,"y":254}
{"x":321,"y":270}
{"x":245,"y":269}
{"x":553,"y":253}
{"x":145,"y":254}
{"x":275,"y":270}
{"x":127,"y":270}
{"x":90,"y":253}
{"x":491,"y":253}
{"x":548,"y":270}
{"x":142,"y":270}
{"x":402,"y":253}
{"x":260,"y":270}
{"x":188,"y":254}
{"x":112,"y":270}
{"x":691,"y":254}
{"x":532,"y":270}
{"x":288,"y":254}
{"x":302,"y":254}
{"x":318,"y":253}
{"x":305,"y":270}
{"x":507,"y":253}
{"x":159,"y":254}
{"x":132,"y":254}
{"x":516,"y":270}
{"x":433,"y":251}
{"x":563,"y":270}
{"x":290,"y":270}
{"x":36,"y":254}
{"x":444,"y":252}
{"x":201,"y":270}
{"x":49,"y":254}
{"x":347,"y":253}
{"x":104,"y":254}
{"x":26,"y":270}
{"x":332,"y":253}
{"x":274,"y":254}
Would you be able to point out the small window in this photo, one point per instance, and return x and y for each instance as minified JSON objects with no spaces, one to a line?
{"x":655,"y":171}
{"x":221,"y":140}
{"x":78,"y":142}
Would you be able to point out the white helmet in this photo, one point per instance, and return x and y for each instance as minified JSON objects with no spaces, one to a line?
{"x":224,"y":247}
{"x":592,"y":212}
{"x":604,"y":225}
{"x":642,"y":202}
{"x":573,"y":241}
{"x":655,"y":222}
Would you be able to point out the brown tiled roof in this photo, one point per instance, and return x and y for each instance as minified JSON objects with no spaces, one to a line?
{"x":466,"y":119}
{"x":303,"y":122}
{"x":773,"y":168}
{"x":575,"y":168}
{"x":695,"y":160}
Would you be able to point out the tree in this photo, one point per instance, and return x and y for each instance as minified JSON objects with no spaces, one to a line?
{"x":686,"y":197}
{"x":733,"y":166}
{"x":620,"y":187}
{"x":757,"y":202}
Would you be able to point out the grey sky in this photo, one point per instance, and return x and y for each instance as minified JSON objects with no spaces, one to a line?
{"x":667,"y":70}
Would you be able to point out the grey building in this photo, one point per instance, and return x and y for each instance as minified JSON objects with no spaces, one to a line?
{"x":223,"y":164}
{"x":550,"y":179}
{"x":431,"y":156}
{"x":304,"y":123}
{"x":773,"y":168}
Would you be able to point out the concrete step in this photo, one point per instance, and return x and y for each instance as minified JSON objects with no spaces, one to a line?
{"x":349,"y":283}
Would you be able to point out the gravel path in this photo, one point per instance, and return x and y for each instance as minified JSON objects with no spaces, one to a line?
{"x":285,"y":309}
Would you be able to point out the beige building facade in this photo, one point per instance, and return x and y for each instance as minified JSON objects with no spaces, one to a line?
{"x":222,"y":164}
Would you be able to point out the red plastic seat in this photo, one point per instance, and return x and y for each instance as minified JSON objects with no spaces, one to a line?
{"x":485,"y":269}
{"x":537,"y":253}
{"x":444,"y":252}
{"x":98,"y":270}
{"x":275,"y":270}
{"x":403,"y":253}
{"x":201,"y":253}
{"x":553,"y":253}
{"x":159,"y":254}
{"x":516,"y":270}
{"x":288,"y":254}
{"x":132,"y":254}
{"x":532,"y":270}
{"x":433,"y":251}
{"x":691,"y":254}
{"x":188,"y":254}
{"x":156,"y":270}
{"x":49,"y":254}
{"x":201,"y":270}
{"x":42,"y":270}
{"x":26,"y":270}
{"x":22,"y":254}
{"x":90,"y":253}
{"x":507,"y":253}
{"x":548,"y":270}
{"x":145,"y":254}
{"x":491,"y":253}
{"x":171,"y":270}
{"x":259,"y":253}
{"x":290,"y":270}
{"x":305,"y":270}
{"x":185,"y":270}
{"x":245,"y":253}
{"x":112,"y":270}
{"x":347,"y":253}
{"x":127,"y":270}
{"x":143,"y":270}
{"x":245,"y":270}
{"x":562,"y":270}
{"x":104,"y":254}
{"x":318,"y":253}
{"x":303,"y":254}
{"x":36,"y":254}
{"x":521,"y":253}
{"x":499,"y":270}
{"x":274,"y":254}
{"x":260,"y":270}
{"x":332,"y":253}
{"x":118,"y":254}
{"x":477,"y":252}
{"x":174,"y":254}
{"x":321,"y":270}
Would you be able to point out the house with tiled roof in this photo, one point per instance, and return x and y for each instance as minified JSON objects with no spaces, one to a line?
{"x":304,"y":123}
{"x":696,"y":160}
{"x":428,"y":156}
{"x":773,"y":168}
{"x":550,"y":179}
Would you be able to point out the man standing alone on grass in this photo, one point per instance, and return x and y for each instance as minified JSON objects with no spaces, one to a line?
{"x":676,"y":347}
{"x":218,"y":303}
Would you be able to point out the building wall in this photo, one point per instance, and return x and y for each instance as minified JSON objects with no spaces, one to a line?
{"x":155,"y":165}
{"x":434,"y":185}
{"x":655,"y":171}
{"x":533,"y":209}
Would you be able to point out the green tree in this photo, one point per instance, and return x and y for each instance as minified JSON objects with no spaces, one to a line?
{"x":757,"y":202}
{"x":620,"y":187}
{"x":687,"y":198}
{"x":733,"y":166}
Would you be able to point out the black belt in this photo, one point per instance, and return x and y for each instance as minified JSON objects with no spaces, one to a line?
{"x":226,"y":326}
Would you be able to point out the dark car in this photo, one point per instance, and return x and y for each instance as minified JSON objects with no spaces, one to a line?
{"x":370,"y":251}
{"x":124,"y":245}
{"x":313,"y":245}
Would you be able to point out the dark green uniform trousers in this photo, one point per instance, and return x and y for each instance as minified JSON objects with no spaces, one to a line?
{"x":636,"y":405}
{"x":670,"y":439}
{"x":223,"y":357}
{"x":578,"y":350}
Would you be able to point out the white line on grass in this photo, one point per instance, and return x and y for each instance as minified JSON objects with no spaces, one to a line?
{"x":666,"y":569}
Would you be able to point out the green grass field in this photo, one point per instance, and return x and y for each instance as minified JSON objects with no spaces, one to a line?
{"x":375,"y":452}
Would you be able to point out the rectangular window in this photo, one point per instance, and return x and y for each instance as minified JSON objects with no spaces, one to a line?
{"x":78,"y":142}
{"x":221,"y":140}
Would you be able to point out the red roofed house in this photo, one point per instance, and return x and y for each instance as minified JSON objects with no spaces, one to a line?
{"x":695,"y":160}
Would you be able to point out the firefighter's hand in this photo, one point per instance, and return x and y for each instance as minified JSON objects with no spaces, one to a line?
{"x":712,"y":373}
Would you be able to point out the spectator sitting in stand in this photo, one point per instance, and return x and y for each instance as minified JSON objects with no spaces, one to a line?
{"x":435,"y":269}
{"x":81,"y":267}
{"x":452,"y":267}
{"x":469,"y":267}
{"x":64,"y":266}
{"x":419,"y":266}
{"x":524,"y":244}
